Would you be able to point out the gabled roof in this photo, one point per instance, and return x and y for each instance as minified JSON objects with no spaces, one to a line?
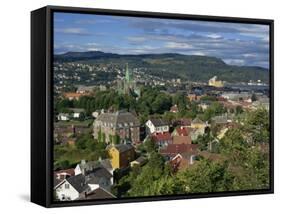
{"x":90,"y":165}
{"x":98,"y":193}
{"x":159,"y":122}
{"x":161,"y":136}
{"x":172,"y":149}
{"x":119,"y":119}
{"x":78,"y":182}
{"x":99,"y":172}
{"x":122,"y":147}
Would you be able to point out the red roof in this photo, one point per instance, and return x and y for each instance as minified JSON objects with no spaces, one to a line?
{"x":183,"y":131}
{"x":173,"y":149}
{"x":182,"y":139}
{"x":162,"y":136}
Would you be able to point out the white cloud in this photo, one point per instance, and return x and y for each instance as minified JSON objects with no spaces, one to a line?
{"x":235,"y":61}
{"x":74,"y":31}
{"x":178,"y":45}
{"x":214,"y":36}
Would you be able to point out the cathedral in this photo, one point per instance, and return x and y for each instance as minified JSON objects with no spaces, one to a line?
{"x":128,"y":84}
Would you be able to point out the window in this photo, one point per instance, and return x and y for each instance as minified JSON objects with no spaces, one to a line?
{"x":66,"y":186}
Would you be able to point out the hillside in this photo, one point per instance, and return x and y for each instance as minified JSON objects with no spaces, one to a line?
{"x":172,"y":65}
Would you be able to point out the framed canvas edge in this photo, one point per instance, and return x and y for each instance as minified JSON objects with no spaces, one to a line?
{"x":49,"y":101}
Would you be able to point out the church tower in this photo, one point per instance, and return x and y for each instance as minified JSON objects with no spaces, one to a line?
{"x":128,"y":75}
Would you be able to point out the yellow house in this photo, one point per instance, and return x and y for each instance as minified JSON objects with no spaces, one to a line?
{"x":198,"y":124}
{"x":216,"y":83}
{"x":121,"y":155}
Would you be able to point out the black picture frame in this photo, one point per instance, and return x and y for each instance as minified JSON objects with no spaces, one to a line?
{"x":41,"y":103}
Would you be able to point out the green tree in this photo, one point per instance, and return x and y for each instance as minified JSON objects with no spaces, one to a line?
{"x":206,"y":176}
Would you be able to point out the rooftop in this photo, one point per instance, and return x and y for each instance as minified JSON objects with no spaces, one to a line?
{"x":122,"y":147}
{"x":159,"y":122}
{"x":119,"y":119}
{"x":98,"y":193}
{"x":172,"y":149}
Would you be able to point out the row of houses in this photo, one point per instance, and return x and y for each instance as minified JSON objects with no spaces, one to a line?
{"x":94,"y":179}
{"x":88,"y":180}
{"x":184,"y":131}
{"x":75,"y":113}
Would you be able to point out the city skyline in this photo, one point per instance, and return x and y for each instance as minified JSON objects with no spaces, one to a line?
{"x":236,"y":44}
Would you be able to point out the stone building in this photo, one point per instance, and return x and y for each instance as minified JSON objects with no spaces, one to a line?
{"x":118,"y":127}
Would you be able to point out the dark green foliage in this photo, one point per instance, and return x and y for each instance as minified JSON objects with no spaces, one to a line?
{"x":181,"y":101}
{"x":203,"y":141}
{"x":242,"y":165}
{"x":215,"y":109}
{"x":148,"y":146}
{"x":206,"y":177}
{"x":257,"y":124}
{"x":254,"y":97}
{"x":152,"y":101}
{"x":63,"y":164}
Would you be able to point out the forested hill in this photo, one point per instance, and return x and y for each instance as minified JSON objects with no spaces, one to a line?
{"x":172,"y":65}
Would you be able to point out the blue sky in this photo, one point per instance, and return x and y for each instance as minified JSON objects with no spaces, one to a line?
{"x":237,"y":44}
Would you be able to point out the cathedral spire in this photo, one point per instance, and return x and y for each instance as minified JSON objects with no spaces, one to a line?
{"x":128,"y":78}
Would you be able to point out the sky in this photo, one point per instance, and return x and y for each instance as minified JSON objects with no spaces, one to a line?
{"x":235,"y":44}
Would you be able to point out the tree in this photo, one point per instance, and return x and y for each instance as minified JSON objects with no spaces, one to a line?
{"x":180,"y":100}
{"x":215,"y":108}
{"x":234,"y":146}
{"x":238,"y":110}
{"x":203,"y":141}
{"x":150,"y":146}
{"x":64,"y":164}
{"x":206,"y":176}
{"x":257,"y":125}
{"x":254,"y":97}
{"x":116,"y":139}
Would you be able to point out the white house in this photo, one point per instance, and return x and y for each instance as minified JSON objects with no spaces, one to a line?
{"x":71,"y":188}
{"x":156,"y":126}
{"x":77,"y":112}
{"x":63,"y":117}
{"x":74,"y":187}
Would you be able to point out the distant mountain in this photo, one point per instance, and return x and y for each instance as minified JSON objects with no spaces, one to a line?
{"x":74,"y":56}
{"x":173,"y":65}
